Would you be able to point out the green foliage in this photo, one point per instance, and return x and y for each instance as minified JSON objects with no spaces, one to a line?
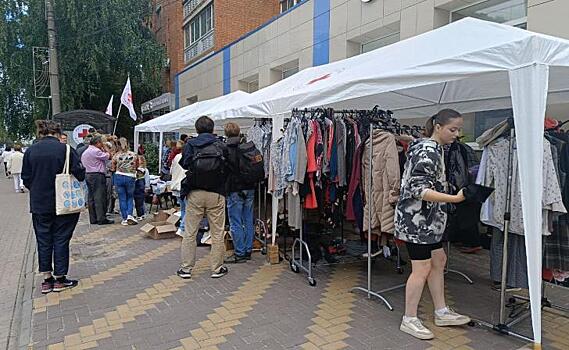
{"x":151,"y":155}
{"x":99,"y":42}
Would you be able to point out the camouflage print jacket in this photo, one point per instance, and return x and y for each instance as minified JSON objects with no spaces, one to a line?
{"x":418,"y":221}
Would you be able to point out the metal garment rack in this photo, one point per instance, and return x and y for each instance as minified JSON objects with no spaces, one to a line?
{"x":504,"y":326}
{"x":368,"y":289}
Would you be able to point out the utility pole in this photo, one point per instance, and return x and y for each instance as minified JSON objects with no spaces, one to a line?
{"x":53,"y":64}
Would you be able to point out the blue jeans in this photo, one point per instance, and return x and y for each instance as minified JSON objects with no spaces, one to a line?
{"x":125,"y":190}
{"x":182,"y":202}
{"x":240,"y":210}
{"x":139,"y":197}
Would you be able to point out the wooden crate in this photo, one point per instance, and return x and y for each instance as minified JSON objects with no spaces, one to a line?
{"x":273,"y":254}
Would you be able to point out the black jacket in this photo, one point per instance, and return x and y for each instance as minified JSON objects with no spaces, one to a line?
{"x":42,"y":162}
{"x":186,"y":161}
{"x":233,"y":180}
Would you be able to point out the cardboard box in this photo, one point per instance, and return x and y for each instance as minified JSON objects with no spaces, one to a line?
{"x":159,"y":230}
{"x":161,"y":216}
{"x":170,"y":211}
{"x":273,"y":254}
{"x":173,"y":219}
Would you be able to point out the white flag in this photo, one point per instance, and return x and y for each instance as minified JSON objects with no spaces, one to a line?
{"x":109,"y":110}
{"x":126,"y":99}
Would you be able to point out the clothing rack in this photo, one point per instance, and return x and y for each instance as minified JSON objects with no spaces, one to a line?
{"x":368,"y":289}
{"x":505,"y":327}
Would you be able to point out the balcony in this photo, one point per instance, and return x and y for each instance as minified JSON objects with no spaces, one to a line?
{"x":190,"y":6}
{"x":202,"y":45}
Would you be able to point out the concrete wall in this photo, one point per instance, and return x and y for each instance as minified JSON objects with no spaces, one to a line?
{"x":549,"y":17}
{"x":337,"y":29}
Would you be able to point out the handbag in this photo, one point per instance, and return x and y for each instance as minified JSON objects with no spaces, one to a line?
{"x":70,"y":193}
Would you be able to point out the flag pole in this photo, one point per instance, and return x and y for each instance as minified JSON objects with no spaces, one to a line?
{"x":117,"y":119}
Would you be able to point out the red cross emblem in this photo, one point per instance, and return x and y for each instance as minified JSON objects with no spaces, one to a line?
{"x":129,"y":97}
{"x":83,"y":133}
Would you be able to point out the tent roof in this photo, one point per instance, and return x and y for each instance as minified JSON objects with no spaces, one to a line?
{"x":183,"y":118}
{"x":462,"y":65}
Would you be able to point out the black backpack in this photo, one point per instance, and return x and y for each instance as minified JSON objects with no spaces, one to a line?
{"x":251,"y":164}
{"x":207,"y":167}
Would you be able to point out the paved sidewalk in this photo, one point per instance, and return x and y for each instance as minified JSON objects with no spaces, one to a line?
{"x":130,"y":298}
{"x":15,"y":229}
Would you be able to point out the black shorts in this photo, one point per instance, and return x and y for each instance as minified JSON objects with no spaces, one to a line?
{"x":421,"y":251}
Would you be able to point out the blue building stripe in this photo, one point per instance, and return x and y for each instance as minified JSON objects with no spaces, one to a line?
{"x":227,"y":70}
{"x":177,"y":91}
{"x":321,"y":35}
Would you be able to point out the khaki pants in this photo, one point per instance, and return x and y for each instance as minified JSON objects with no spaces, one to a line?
{"x":212,"y":205}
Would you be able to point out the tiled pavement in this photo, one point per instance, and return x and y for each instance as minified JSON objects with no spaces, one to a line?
{"x":130,"y":298}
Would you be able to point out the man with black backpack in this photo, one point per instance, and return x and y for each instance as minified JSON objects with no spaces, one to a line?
{"x":205,"y":158}
{"x":248,"y":171}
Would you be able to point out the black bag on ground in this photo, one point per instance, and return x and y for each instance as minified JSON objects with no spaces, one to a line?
{"x":207,"y":167}
{"x":251,"y":164}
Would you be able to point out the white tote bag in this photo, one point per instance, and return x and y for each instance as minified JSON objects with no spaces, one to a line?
{"x":70,"y":193}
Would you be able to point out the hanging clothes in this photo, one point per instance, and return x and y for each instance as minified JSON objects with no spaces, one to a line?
{"x":310,"y":201}
{"x":496,"y":176}
{"x":294,"y":207}
{"x":386,"y":181}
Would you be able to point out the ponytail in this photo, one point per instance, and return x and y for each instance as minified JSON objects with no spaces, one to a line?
{"x":442,"y":118}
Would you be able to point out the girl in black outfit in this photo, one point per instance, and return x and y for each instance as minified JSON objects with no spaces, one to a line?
{"x":420,"y":221}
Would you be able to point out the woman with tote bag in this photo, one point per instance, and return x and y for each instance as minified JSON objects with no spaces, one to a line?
{"x":43,"y":161}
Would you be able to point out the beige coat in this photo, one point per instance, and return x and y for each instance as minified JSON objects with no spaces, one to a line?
{"x":15,"y":163}
{"x":386,"y":182}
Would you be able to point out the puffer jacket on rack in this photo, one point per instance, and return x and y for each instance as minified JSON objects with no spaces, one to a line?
{"x":386,"y":181}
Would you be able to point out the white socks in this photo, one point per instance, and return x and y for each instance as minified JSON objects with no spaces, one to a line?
{"x":408,"y":318}
{"x":441,"y":312}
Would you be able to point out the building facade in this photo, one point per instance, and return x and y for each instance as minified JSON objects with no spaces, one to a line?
{"x":313,"y":32}
{"x":166,"y":24}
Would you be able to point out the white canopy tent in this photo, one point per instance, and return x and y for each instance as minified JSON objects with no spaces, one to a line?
{"x":183,"y":119}
{"x":470,"y":65}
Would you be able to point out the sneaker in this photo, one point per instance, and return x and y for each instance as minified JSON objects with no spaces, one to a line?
{"x":413,"y":326}
{"x":451,"y":318}
{"x":206,"y":238}
{"x":131,"y":220}
{"x":47,"y":286}
{"x":124,"y":223}
{"x":235,"y":259}
{"x":180,"y":233}
{"x":220,"y":273}
{"x":141,"y":218}
{"x":106,"y":222}
{"x":183,"y":274}
{"x":248,"y":256}
{"x":63,"y":284}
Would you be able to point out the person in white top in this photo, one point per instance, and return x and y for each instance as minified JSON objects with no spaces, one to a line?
{"x":6,"y":157}
{"x":178,"y":175}
{"x":15,"y":162}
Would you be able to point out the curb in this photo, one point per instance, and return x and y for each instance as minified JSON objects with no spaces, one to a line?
{"x":21,"y":326}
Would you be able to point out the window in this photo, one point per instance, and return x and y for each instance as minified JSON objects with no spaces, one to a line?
{"x":199,"y":26}
{"x":289,"y":72}
{"x":249,"y":84}
{"x":288,"y":4}
{"x":512,"y":12}
{"x":380,"y":42}
{"x":191,"y":100}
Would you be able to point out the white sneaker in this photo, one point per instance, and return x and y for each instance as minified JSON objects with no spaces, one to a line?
{"x":124,"y":223}
{"x":206,"y":238}
{"x":413,"y":326}
{"x":451,"y":318}
{"x":180,"y":233}
{"x":131,"y":220}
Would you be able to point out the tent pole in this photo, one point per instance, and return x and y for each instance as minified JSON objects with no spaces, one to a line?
{"x":160,"y":143}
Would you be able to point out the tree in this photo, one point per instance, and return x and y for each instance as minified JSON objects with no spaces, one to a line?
{"x":99,"y":42}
